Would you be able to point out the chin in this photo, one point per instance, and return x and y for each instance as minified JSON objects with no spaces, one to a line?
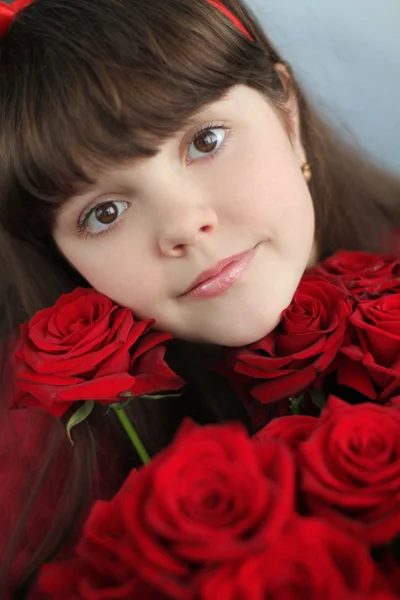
{"x":245,"y":335}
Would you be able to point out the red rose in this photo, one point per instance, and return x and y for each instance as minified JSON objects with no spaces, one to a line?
{"x":310,"y":561}
{"x":86,"y":347}
{"x":363,"y":273}
{"x":303,"y":344}
{"x":292,"y":430}
{"x":369,"y":361}
{"x":212,"y":495}
{"x":350,"y":469}
{"x":84,"y":580}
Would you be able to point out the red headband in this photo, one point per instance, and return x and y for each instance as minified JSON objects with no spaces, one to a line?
{"x":225,"y":11}
{"x":8,"y":12}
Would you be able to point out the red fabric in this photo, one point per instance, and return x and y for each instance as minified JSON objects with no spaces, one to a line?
{"x":8,"y":12}
{"x":20,"y":453}
{"x":24,"y":439}
{"x":225,"y":11}
{"x":19,"y":456}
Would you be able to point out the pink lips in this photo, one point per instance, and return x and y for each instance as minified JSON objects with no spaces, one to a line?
{"x":215,"y":281}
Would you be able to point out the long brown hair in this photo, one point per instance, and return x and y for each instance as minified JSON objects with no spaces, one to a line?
{"x":84,"y":84}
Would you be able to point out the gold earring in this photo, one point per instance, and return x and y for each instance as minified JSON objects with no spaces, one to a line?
{"x":306,"y":171}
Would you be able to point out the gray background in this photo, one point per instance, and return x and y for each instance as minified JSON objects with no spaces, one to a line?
{"x":347,"y":54}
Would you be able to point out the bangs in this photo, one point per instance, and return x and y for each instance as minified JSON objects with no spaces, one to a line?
{"x":87,"y":84}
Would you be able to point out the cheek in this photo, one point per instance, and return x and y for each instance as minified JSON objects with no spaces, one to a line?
{"x":268,"y":189}
{"x":112,"y":269}
{"x":129,"y":287}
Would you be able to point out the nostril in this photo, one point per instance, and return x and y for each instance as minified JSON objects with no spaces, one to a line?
{"x":205,"y":229}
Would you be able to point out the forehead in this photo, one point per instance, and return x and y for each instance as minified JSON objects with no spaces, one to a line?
{"x":232,"y":104}
{"x":239,"y":105}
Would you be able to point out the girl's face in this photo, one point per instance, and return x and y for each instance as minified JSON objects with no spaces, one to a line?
{"x":229,"y":185}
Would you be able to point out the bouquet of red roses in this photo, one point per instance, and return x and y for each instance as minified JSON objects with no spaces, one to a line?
{"x":340,"y":334}
{"x":308,"y":508}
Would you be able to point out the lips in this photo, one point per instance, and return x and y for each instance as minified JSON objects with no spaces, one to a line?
{"x":210,"y":274}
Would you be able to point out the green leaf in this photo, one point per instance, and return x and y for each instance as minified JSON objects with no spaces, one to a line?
{"x":80,"y":415}
{"x":160,"y":396}
{"x":119,"y":405}
{"x":130,"y":396}
{"x":127,"y":395}
{"x":295,"y":404}
{"x":318,"y":398}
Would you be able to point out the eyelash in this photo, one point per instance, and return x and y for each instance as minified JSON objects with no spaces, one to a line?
{"x":81,"y":225}
{"x":207,"y":127}
{"x":86,"y":234}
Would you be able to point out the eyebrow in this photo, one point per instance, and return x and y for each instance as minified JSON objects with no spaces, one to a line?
{"x":203,"y":113}
{"x":82,"y":190}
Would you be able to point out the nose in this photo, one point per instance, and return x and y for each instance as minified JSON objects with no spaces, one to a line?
{"x":183,"y":224}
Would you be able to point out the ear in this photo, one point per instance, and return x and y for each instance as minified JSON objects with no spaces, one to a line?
{"x":292,"y":113}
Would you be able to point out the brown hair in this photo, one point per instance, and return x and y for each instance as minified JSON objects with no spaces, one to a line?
{"x":85,"y":83}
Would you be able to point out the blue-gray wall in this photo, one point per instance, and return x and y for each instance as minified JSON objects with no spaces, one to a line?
{"x":347,"y":54}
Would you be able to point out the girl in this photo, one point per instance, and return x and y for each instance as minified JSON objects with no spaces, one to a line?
{"x":144,"y":147}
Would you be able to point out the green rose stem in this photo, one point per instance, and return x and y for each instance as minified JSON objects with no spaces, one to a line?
{"x":132,"y":434}
{"x":87,"y":407}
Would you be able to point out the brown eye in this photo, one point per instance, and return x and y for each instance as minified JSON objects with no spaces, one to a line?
{"x":206,"y":142}
{"x":106,"y":213}
{"x":103,"y":216}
